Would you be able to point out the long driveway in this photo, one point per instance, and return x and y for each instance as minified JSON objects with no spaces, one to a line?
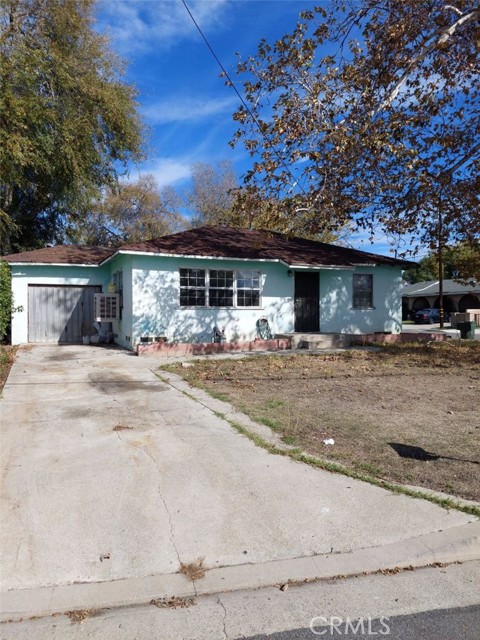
{"x":110,"y":473}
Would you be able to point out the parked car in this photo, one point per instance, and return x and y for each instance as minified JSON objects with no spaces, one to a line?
{"x":429,"y":316}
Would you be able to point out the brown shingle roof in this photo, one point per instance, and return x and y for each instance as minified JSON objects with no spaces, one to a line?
{"x":217,"y":242}
{"x":254,"y":244}
{"x":62,"y":254}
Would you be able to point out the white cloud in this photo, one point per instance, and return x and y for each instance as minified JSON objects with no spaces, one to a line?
{"x":184,"y":108}
{"x":138,"y":25}
{"x":166,"y":171}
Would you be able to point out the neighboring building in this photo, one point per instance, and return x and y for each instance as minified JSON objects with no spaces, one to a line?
{"x":425,"y":295}
{"x":180,"y":287}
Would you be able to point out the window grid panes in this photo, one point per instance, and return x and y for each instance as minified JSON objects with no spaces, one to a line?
{"x":219,"y":288}
{"x":192,"y":288}
{"x":362,"y":291}
{"x":248,"y":289}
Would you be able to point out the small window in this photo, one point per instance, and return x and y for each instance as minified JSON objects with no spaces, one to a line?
{"x":192,"y":288}
{"x":118,"y":284}
{"x":362,"y":291}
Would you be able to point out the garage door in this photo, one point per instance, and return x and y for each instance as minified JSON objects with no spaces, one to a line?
{"x":60,"y":314}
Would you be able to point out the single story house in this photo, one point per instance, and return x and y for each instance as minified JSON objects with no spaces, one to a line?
{"x":183,"y":287}
{"x":457,"y":297}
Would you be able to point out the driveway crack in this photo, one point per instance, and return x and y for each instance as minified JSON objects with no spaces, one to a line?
{"x":51,"y":598}
{"x":160,"y":495}
{"x":225,"y":634}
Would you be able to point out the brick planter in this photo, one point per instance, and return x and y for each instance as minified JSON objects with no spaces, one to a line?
{"x":388,"y":338}
{"x":165,"y":349}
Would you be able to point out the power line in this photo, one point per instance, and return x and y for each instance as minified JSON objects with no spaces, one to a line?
{"x":296,"y":181}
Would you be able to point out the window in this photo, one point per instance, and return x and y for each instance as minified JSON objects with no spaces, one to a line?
{"x":248,"y":289}
{"x":219,"y":288}
{"x":118,"y":282}
{"x":192,"y":288}
{"x":362,"y":291}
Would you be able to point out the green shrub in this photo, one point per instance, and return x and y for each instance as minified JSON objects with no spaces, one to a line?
{"x":6,"y":299}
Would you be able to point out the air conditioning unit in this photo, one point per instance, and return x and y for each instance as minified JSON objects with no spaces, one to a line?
{"x":106,"y":307}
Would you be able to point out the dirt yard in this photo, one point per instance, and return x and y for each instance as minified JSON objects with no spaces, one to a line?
{"x":408,"y":413}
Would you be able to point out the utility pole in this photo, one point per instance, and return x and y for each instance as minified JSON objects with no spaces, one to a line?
{"x":440,"y":265}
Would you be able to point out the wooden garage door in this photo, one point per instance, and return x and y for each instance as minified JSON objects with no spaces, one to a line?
{"x":61,"y":314}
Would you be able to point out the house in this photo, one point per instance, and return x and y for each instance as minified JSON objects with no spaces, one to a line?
{"x":457,"y":297}
{"x":181,"y":287}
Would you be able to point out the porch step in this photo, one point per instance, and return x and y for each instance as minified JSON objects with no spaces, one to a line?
{"x":318,"y":340}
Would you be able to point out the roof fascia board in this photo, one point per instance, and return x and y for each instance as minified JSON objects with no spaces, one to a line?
{"x":200,"y":257}
{"x":50,"y":264}
{"x":368,"y":264}
{"x":196,"y":257}
{"x":331,"y":267}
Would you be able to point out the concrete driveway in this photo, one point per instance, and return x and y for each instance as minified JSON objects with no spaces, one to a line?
{"x":110,"y":473}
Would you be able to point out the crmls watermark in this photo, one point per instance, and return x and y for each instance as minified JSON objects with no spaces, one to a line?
{"x":334,"y":625}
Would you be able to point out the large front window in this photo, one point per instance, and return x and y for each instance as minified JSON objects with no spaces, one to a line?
{"x":219,"y":288}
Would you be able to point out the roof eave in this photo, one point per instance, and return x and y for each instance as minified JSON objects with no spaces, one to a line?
{"x":51,"y":264}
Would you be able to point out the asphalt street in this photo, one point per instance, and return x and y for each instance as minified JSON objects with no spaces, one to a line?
{"x":461,"y":623}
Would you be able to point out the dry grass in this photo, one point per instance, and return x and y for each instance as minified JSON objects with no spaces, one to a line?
{"x":173,"y":603}
{"x":79,"y":615}
{"x":193,"y":570}
{"x":408,"y":413}
{"x":121,"y":427}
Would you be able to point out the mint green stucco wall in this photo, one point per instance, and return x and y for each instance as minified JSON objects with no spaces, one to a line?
{"x":156,"y":309}
{"x":122,"y":329}
{"x":151,"y":291}
{"x":23,"y":275}
{"x":337,"y":314}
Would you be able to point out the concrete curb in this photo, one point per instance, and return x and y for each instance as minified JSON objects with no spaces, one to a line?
{"x":458,"y":544}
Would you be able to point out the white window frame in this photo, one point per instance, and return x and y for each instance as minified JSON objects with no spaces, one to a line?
{"x":254,"y":273}
{"x":106,"y":307}
{"x":190,"y":287}
{"x":236,"y":289}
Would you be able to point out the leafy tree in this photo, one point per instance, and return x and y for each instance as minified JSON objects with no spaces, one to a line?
{"x":130,"y":212}
{"x":467,"y":262}
{"x":460,"y":262}
{"x":369,"y":113}
{"x":67,"y":121}
{"x":216,"y":198}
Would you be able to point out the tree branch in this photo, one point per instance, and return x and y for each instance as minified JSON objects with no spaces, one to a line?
{"x":445,"y":35}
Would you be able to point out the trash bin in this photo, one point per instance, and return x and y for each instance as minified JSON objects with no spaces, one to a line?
{"x":467,"y":330}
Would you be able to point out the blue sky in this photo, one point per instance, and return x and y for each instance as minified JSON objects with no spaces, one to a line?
{"x":184,"y":101}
